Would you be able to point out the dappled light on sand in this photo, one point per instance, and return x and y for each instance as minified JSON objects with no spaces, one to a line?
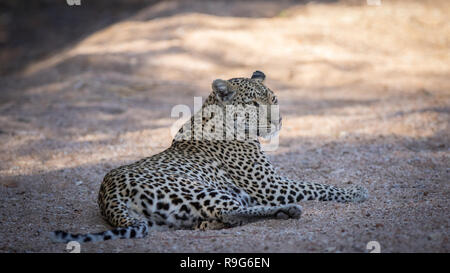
{"x":364,"y":92}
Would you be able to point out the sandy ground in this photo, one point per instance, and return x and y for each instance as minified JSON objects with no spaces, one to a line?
{"x":364,"y":93}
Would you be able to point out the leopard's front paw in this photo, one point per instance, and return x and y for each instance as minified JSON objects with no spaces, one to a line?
{"x":289,"y":211}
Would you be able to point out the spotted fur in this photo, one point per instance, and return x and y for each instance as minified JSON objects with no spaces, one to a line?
{"x":206,"y":183}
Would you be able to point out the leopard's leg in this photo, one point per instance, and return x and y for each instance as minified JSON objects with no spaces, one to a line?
{"x":246,"y":215}
{"x":227,"y":218}
{"x":287,"y":191}
{"x":324,"y":192}
{"x":267,"y":187}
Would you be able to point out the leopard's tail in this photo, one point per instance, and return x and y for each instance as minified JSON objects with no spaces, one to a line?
{"x":138,"y":230}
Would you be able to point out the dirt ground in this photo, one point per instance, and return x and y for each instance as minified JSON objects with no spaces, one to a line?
{"x":364,"y":92}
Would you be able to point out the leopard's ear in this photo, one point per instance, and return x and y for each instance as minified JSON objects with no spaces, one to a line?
{"x":258,"y":76}
{"x":223,"y":90}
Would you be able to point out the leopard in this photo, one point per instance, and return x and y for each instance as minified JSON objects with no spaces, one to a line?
{"x":215,"y":174}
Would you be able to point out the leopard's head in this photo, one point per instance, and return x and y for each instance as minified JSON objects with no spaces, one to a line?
{"x":249,"y":104}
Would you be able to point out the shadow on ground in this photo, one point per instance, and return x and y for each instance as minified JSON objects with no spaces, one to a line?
{"x":370,"y":109}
